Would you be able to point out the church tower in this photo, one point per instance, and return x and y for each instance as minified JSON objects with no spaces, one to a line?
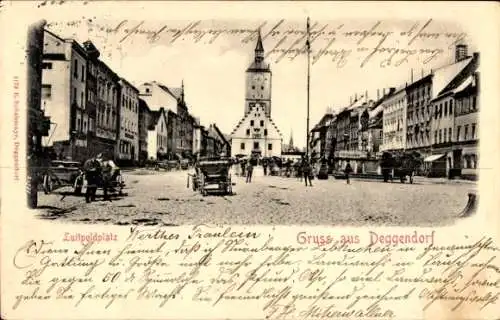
{"x":258,"y":82}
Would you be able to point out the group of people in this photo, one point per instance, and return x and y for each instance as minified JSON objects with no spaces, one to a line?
{"x":304,"y":169}
{"x":99,"y":171}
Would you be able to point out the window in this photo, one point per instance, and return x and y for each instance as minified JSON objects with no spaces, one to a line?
{"x":449,"y":134}
{"x":83,"y":73}
{"x":265,"y":132}
{"x":466,"y":131}
{"x":444,"y":135}
{"x":74,"y":94}
{"x":242,"y":146}
{"x":261,"y":123}
{"x":270,"y":146}
{"x":473,"y":131}
{"x":251,"y":123}
{"x":262,"y":87}
{"x":46,"y":91}
{"x":446,"y":109}
{"x":248,"y":132}
{"x":474,"y":103}
{"x":458,"y":133}
{"x":253,"y":87}
{"x":75,"y":70}
{"x":82,"y":97}
{"x":256,"y":145}
{"x":440,"y":136}
{"x":47,"y":65}
{"x":147,"y":90}
{"x":451,"y":107}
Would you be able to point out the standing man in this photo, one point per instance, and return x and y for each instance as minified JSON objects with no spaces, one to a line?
{"x":92,"y":168}
{"x":307,"y":170}
{"x":249,"y":170}
{"x":348,"y":170}
{"x":264,"y":165}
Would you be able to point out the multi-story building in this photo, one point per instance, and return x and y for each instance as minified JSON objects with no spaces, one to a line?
{"x":465,"y":150}
{"x":420,"y":93}
{"x":256,"y":133}
{"x":144,"y":121}
{"x":107,"y":116}
{"x":157,"y":135}
{"x":185,"y":127}
{"x":64,"y":97}
{"x":319,"y":144}
{"x":197,"y":136}
{"x":127,"y":149}
{"x":180,"y":123}
{"x":92,"y":93}
{"x":394,"y":121}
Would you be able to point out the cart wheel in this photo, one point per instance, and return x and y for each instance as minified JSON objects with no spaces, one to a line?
{"x":47,"y":184}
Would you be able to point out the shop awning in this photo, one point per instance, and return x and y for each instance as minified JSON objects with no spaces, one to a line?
{"x":434,"y":157}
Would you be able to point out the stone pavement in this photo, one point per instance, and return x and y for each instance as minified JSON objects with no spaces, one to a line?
{"x":162,"y":198}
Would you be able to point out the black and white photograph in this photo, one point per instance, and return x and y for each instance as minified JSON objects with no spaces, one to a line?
{"x":277,"y":160}
{"x":282,"y":122}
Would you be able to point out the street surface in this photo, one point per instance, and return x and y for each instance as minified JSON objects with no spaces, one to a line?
{"x":162,"y":198}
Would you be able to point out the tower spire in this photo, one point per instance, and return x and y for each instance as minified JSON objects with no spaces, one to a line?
{"x":290,"y":143}
{"x":259,"y":48}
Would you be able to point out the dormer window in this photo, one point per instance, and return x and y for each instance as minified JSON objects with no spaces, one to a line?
{"x":248,"y":132}
{"x":251,"y":123}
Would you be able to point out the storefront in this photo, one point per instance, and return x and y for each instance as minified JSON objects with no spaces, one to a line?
{"x":435,"y":165}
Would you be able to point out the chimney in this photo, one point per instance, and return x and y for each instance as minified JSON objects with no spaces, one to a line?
{"x":366,"y":96}
{"x":383,"y":92}
{"x":355,"y":97}
{"x":378,"y":94}
{"x":460,"y":52}
{"x":422,"y":73}
{"x":411,"y":78}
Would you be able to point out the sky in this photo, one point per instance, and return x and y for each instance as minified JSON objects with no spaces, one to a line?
{"x":214,"y":71}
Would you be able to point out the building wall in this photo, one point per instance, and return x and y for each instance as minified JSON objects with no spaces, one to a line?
{"x":249,"y":143}
{"x":467,"y":133}
{"x":156,"y":98}
{"x":107,"y":106}
{"x":128,"y":145}
{"x":152,"y":144}
{"x":64,"y":96}
{"x":394,"y":122}
{"x":419,"y":114}
{"x":56,"y":99}
{"x":144,"y":121}
{"x":256,"y":129}
{"x":443,"y":120}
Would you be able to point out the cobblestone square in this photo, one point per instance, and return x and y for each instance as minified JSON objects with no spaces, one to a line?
{"x":163,"y":198}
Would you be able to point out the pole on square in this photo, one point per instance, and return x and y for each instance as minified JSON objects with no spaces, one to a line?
{"x":308,"y":48}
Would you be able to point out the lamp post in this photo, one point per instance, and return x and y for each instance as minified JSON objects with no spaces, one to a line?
{"x":308,"y":48}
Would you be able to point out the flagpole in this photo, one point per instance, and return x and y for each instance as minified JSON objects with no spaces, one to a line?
{"x":308,"y":47}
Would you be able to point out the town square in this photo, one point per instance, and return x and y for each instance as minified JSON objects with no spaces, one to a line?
{"x":103,"y":148}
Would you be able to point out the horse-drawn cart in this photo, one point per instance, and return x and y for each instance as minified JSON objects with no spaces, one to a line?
{"x":212,"y":175}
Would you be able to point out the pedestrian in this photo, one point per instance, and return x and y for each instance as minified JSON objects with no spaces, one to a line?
{"x":307,"y":171}
{"x":264,"y":165}
{"x":92,"y":168}
{"x":249,"y":171}
{"x":348,"y":170}
{"x":243,"y":165}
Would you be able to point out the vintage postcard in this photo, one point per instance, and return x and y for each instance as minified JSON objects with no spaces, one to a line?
{"x":249,"y":160}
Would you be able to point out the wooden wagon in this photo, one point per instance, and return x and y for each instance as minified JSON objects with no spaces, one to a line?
{"x":212,"y":176}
